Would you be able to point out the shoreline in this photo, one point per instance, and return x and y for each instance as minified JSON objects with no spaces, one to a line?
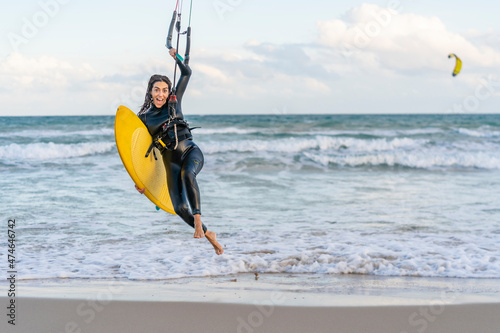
{"x":257,"y":303}
{"x":412,"y":290}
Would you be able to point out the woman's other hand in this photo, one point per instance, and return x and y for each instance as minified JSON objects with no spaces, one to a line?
{"x":140,"y":190}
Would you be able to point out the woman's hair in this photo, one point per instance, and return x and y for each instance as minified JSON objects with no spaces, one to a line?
{"x":148,"y":99}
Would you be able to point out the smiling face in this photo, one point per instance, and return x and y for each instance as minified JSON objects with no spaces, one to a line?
{"x":160,"y":92}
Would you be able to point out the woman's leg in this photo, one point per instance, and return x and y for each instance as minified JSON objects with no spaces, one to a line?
{"x":192,"y":165}
{"x":175,"y":187}
{"x":182,"y":180}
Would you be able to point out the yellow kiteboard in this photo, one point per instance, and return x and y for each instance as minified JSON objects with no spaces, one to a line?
{"x":133,"y":140}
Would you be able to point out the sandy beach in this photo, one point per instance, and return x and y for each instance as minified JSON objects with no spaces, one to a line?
{"x":257,"y":303}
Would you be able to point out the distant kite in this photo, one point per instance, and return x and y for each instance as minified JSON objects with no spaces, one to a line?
{"x":458,"y":64}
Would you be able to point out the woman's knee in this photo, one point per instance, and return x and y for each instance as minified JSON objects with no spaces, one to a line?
{"x":189,"y":175}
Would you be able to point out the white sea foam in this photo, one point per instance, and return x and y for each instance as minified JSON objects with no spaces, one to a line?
{"x":323,"y":143}
{"x":225,"y":130}
{"x":480,"y":133}
{"x":51,"y":151}
{"x":337,"y":252}
{"x":377,"y":132}
{"x":354,"y":152}
{"x":43,"y":133}
{"x":426,"y":160}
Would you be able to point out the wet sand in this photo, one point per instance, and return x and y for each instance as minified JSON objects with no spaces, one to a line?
{"x":256,"y":303}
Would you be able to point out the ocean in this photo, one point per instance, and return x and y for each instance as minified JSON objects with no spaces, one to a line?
{"x":380,"y":195}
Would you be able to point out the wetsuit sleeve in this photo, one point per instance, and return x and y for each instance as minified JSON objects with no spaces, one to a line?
{"x":183,"y":80}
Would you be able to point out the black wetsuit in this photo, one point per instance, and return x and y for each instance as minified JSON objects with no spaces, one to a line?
{"x":184,"y":162}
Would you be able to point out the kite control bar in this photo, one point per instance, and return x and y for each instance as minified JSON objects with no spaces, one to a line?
{"x":176,"y":21}
{"x":171,"y":30}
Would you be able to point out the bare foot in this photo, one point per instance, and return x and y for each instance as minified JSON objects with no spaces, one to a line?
{"x":198,"y":227}
{"x":212,"y":238}
{"x":198,"y":232}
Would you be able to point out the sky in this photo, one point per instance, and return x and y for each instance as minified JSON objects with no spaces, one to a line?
{"x":69,"y":57}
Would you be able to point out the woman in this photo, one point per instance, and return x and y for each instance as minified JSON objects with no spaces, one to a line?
{"x":182,"y":158}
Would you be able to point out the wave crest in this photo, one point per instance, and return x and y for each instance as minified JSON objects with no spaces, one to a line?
{"x":52,"y":151}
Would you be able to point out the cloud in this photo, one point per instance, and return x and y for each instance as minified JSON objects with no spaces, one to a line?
{"x":48,"y":85}
{"x":259,"y":72}
{"x":213,"y":72}
{"x":288,"y":59}
{"x":382,"y":38}
{"x":43,"y":73}
{"x":488,"y":39}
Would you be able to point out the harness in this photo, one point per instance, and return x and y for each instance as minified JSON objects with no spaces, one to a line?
{"x":165,"y":141}
{"x":169,"y":137}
